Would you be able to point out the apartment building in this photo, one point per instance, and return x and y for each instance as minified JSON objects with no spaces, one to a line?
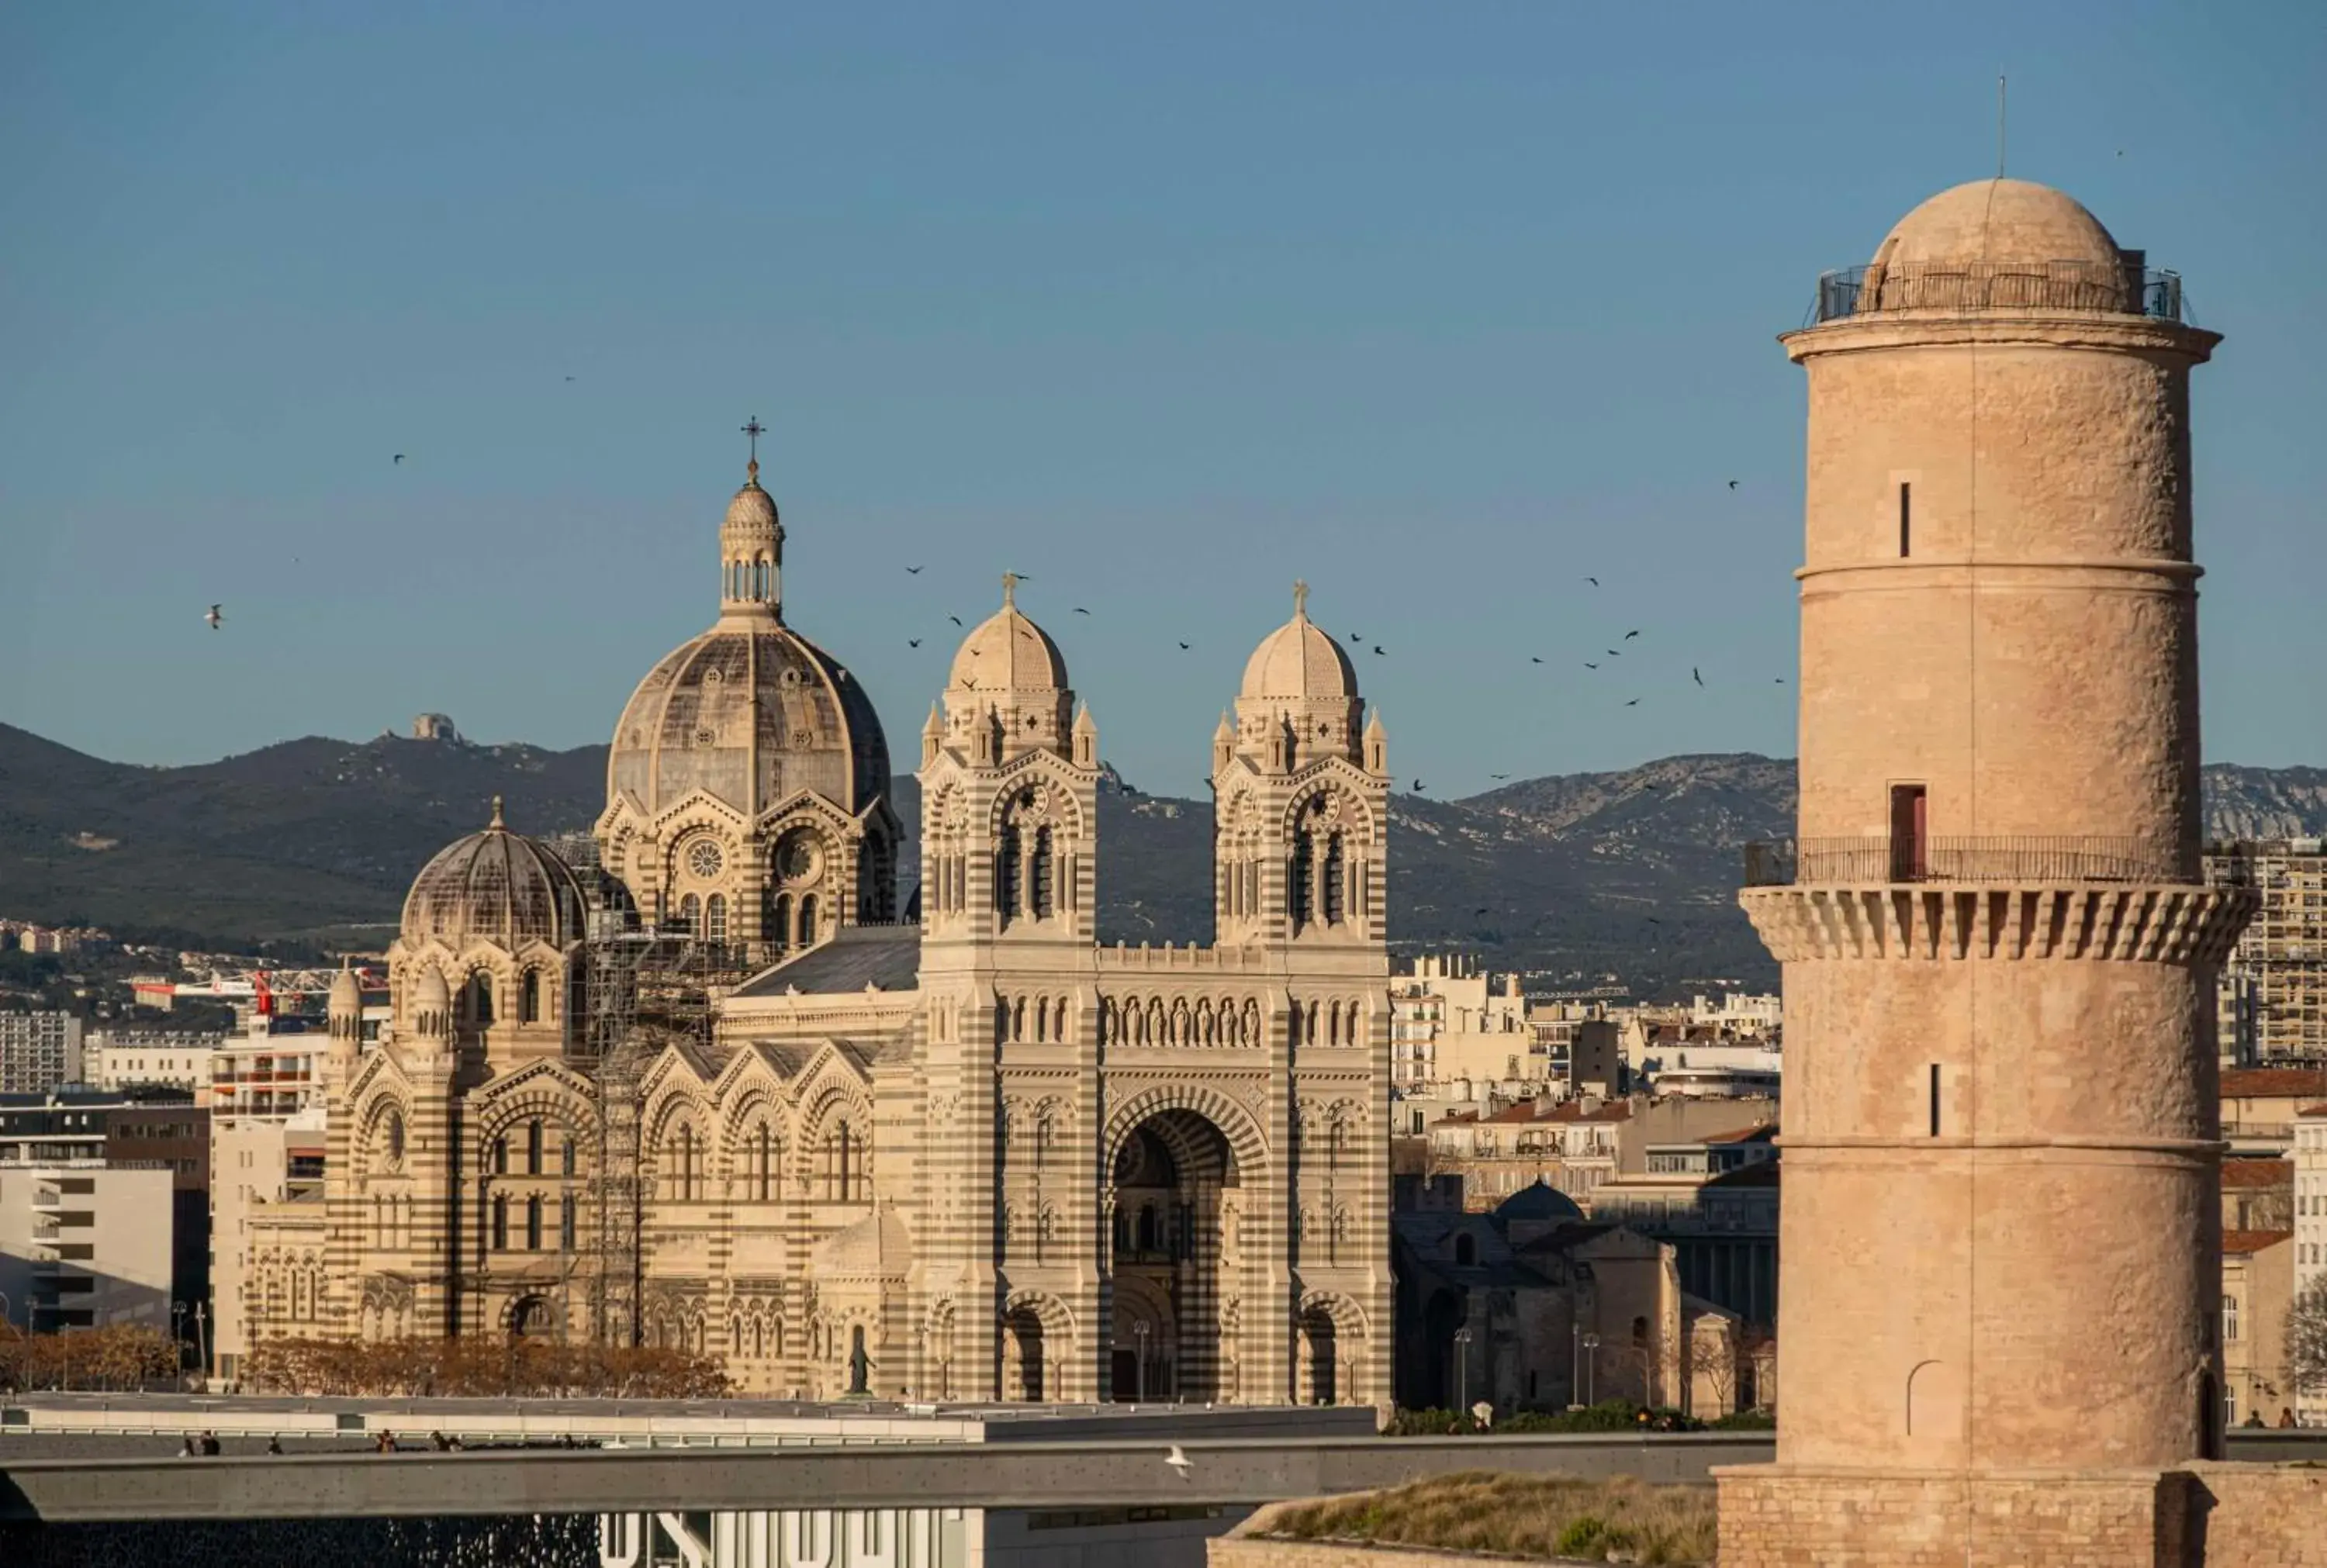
{"x":2308,"y":1260}
{"x":2272,"y":1003}
{"x":129,"y":1058}
{"x":38,"y":1051}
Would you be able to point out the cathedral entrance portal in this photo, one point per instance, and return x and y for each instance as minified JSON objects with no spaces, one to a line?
{"x":1172,"y":1259}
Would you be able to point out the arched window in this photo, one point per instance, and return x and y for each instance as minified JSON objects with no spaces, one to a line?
{"x":807,"y":921}
{"x":842,"y":1156}
{"x":780,"y":921}
{"x":529,"y":997}
{"x":565,"y":1155}
{"x":1466,"y":1250}
{"x":1298,"y":875}
{"x":533,"y":1223}
{"x":1148,"y":1238}
{"x":1121,"y":1232}
{"x":715,"y":918}
{"x":690,"y":915}
{"x":565,"y":1224}
{"x":480,"y":997}
{"x":683,"y":1168}
{"x":1005,"y":874}
{"x":1043,"y":874}
{"x":500,"y":1156}
{"x":767,"y":1157}
{"x":1334,"y":872}
{"x":501,"y":1222}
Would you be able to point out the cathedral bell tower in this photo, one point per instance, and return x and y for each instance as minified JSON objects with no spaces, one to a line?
{"x":1302,"y":797}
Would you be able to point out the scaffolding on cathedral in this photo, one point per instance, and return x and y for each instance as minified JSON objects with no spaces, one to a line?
{"x":644,"y":990}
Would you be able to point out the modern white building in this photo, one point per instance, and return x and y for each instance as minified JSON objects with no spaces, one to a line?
{"x":122,"y":1058}
{"x":2311,"y":1229}
{"x":38,"y":1052}
{"x":1450,"y":1017}
{"x":86,"y":1245}
{"x":266,"y":1148}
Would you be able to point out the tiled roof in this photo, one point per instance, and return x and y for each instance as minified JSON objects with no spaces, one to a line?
{"x":2256,"y":1172}
{"x":2288,"y":1082}
{"x":2241,"y":1243}
{"x":1760,"y":1135}
{"x":888,"y":956}
{"x":2317,"y":1110}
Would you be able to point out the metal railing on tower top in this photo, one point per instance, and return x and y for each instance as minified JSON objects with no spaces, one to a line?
{"x":2131,"y":290}
{"x":2015,"y":858}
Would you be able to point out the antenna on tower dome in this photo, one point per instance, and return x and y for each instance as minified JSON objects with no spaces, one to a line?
{"x":1999,"y":124}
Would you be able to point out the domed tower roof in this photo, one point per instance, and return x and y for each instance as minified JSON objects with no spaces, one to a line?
{"x":496,"y":885}
{"x":1998,"y":222}
{"x":1008,"y":652}
{"x":429,"y":993}
{"x":1542,"y":1202}
{"x":751,"y":711}
{"x":1300,"y":660}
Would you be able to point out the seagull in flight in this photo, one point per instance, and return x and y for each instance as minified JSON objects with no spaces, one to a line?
{"x":954,"y":619}
{"x":214,"y":618}
{"x":1633,"y":703}
{"x":1589,"y":665}
{"x":1630,"y":635}
{"x":1732,"y":484}
{"x":1185,"y":646}
{"x":1377,"y":648}
{"x":1080,"y":611}
{"x":912,"y":642}
{"x":913,"y":571}
{"x":1499,"y":775}
{"x":1532,"y":659}
{"x":1418,"y":786}
{"x":1594,"y":580}
{"x":1615,"y":653}
{"x":1179,"y":1461}
{"x":399,"y":457}
{"x":1694,"y":676}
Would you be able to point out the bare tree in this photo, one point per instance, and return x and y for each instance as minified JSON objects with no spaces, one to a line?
{"x":2306,"y":1338}
{"x":1712,"y":1365}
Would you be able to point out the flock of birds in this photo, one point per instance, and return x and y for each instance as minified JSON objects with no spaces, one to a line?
{"x":215,"y":619}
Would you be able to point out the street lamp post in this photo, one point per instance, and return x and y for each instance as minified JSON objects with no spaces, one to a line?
{"x":1574,"y":1365}
{"x":1462,"y":1371}
{"x":1139,"y":1339}
{"x":202,"y":1337}
{"x":178,"y":1333}
{"x":1591,"y":1363}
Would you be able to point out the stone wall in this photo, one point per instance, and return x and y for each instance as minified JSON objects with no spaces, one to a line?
{"x":2259,"y":1516}
{"x":2209,"y":1516}
{"x":1797,"y":1517}
{"x":1251,"y":1551}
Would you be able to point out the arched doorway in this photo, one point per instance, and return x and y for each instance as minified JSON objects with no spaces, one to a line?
{"x":1024,"y":1362}
{"x":1320,"y":1357}
{"x":1170,"y":1258}
{"x":532,"y":1318}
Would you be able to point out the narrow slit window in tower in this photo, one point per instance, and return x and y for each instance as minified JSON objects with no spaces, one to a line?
{"x":1297,"y":881}
{"x":1040,"y":900}
{"x":1906,"y":517}
{"x":1935,"y":1099}
{"x":1006,"y":875}
{"x":1910,"y":822}
{"x":1334,"y":872}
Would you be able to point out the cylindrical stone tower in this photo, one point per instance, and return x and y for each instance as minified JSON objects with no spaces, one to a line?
{"x":2000,"y":1218}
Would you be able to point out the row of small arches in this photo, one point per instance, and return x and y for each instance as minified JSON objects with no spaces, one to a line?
{"x":786,"y":921}
{"x":1152,"y":1021}
{"x":837,"y":1167}
{"x":1041,"y":1020}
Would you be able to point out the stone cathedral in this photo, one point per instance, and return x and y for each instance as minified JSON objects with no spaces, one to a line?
{"x":955,"y":1150}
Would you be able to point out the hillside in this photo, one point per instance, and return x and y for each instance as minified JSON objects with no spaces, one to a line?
{"x":1575,"y":878}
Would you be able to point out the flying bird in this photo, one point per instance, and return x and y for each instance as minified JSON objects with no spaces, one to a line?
{"x":1499,"y":775}
{"x":954,"y":619}
{"x":1615,"y":653}
{"x":1378,"y":647}
{"x":1589,"y":665}
{"x":1654,"y":921}
{"x":913,"y":571}
{"x":912,"y":642}
{"x":1185,"y":646}
{"x":1630,"y":635}
{"x":1354,"y":636}
{"x":399,"y":457}
{"x":569,"y":378}
{"x":1779,"y":679}
{"x":1532,"y":659}
{"x":1594,"y":580}
{"x":1732,"y":484}
{"x":1633,"y":703}
{"x":1475,"y":913}
{"x":1418,"y":786}
{"x":1179,"y":1461}
{"x":1694,"y":676}
{"x":214,"y":618}
{"x":1080,"y":611}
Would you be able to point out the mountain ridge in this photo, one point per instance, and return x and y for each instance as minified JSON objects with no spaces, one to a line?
{"x":1622,"y":876}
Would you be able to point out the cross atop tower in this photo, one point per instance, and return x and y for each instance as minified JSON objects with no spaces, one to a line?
{"x":755,"y":430}
{"x":1010,"y":581}
{"x":1300,"y":598}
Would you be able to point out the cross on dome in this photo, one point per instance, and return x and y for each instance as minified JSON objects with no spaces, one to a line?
{"x":755,"y":430}
{"x":1010,"y":581}
{"x":1301,"y":599}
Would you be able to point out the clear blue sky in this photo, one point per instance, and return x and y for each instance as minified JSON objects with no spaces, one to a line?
{"x":1444,"y":307}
